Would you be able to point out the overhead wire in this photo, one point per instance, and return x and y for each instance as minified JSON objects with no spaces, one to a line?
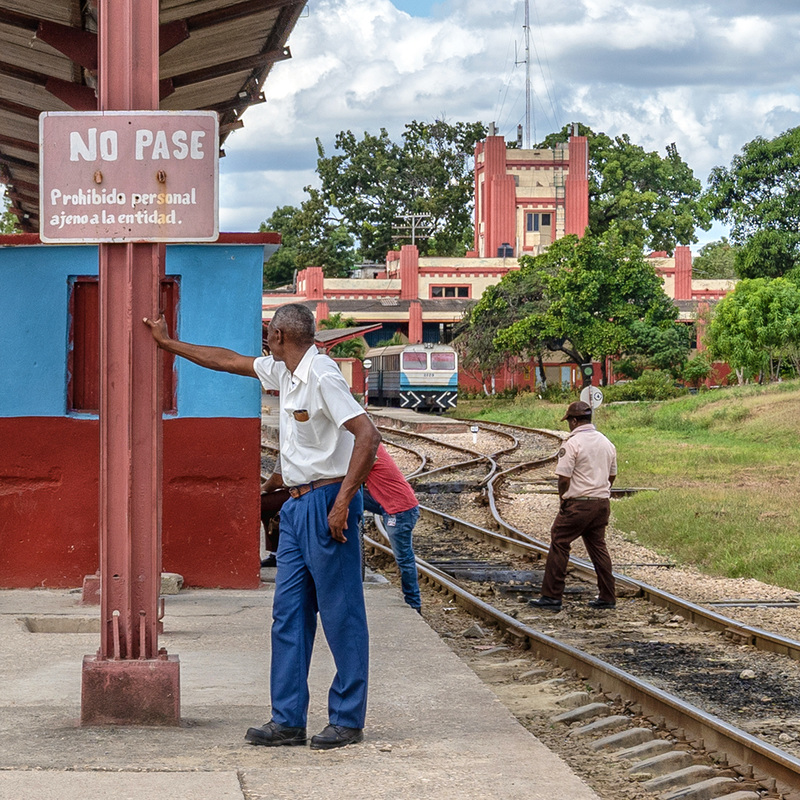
{"x":499,"y":108}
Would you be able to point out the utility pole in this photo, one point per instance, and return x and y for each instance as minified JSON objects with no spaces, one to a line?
{"x":414,"y":222}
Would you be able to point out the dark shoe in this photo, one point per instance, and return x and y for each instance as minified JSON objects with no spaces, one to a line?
{"x":336,"y":736}
{"x":269,"y":561}
{"x":272,"y":735}
{"x":545,"y":602}
{"x":598,"y":603}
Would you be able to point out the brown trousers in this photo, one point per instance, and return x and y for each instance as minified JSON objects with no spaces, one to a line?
{"x":587,"y":519}
{"x":271,"y":504}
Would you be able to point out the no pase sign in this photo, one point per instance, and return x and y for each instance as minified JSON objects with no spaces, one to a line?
{"x":129,"y":176}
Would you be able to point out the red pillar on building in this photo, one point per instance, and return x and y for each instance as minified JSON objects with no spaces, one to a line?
{"x":129,"y":681}
{"x":315,"y":283}
{"x":409,"y":272}
{"x":322,"y":312}
{"x":576,"y":192}
{"x":415,"y":322}
{"x":499,"y":198}
{"x":683,"y":273}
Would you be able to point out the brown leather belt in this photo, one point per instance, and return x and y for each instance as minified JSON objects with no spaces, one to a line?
{"x":299,"y":491}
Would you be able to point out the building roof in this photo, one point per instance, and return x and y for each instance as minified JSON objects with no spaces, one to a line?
{"x":374,"y":307}
{"x":215,"y":55}
{"x":330,"y":337}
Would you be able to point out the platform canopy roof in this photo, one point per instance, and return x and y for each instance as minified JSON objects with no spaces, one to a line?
{"x":215,"y":55}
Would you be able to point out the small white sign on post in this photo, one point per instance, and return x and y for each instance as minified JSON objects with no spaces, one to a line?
{"x":128,"y":176}
{"x":593,"y":396}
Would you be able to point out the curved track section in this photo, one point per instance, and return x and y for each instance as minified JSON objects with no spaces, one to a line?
{"x":749,"y":755}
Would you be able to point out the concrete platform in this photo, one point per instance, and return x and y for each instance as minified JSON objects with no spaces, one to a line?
{"x":434,"y":731}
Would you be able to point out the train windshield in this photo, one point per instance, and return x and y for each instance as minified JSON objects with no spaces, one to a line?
{"x":443,"y":360}
{"x":415,"y":360}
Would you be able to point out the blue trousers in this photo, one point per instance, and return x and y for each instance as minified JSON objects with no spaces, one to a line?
{"x":317,"y":574}
{"x":399,"y":528}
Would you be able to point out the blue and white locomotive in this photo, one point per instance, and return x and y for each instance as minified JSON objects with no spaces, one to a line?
{"x":418,"y":376}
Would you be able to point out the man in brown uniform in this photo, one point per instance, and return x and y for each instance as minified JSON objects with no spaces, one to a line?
{"x":587,"y":466}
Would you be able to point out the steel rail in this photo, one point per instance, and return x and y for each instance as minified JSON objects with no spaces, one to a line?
{"x":704,"y":618}
{"x":744,"y":753}
{"x":493,"y":467}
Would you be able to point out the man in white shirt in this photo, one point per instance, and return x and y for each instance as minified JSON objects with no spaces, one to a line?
{"x":587,"y":467}
{"x":327,"y":448}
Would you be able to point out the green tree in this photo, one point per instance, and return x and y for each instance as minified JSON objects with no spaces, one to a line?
{"x":8,"y":221}
{"x":310,"y":237}
{"x":600,"y":295}
{"x":716,"y":260}
{"x":697,"y":369}
{"x":652,"y":201}
{"x":352,"y":348}
{"x":375,"y":182}
{"x":518,"y":295}
{"x":759,"y":197}
{"x":756,"y":328}
{"x":664,"y":347}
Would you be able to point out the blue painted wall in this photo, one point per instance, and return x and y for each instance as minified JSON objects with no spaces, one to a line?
{"x":219,"y":304}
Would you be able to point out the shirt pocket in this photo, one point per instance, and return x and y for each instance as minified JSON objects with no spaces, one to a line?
{"x":306,"y":426}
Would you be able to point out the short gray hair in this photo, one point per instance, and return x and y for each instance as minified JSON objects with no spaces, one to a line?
{"x":297,"y":321}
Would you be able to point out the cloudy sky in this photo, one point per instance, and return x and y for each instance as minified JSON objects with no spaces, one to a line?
{"x":709,"y":75}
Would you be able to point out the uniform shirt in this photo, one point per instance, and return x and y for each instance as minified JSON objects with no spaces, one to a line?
{"x":587,"y":458}
{"x":388,"y":486}
{"x":315,"y":402}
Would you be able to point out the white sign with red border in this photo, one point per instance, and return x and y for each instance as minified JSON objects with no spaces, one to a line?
{"x":128,"y":176}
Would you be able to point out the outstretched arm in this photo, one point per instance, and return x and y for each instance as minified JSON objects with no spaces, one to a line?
{"x":217,"y":358}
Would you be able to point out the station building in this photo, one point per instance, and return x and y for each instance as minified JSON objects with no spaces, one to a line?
{"x":524,"y":200}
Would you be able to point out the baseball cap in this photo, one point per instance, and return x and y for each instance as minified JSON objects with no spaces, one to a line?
{"x":578,"y":409}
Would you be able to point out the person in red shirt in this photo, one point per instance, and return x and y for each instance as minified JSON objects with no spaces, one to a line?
{"x":389,"y":494}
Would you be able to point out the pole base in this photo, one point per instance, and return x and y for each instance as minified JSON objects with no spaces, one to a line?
{"x":90,"y":596}
{"x":145,"y":692}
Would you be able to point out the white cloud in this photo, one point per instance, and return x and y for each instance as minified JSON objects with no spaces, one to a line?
{"x":709,"y":77}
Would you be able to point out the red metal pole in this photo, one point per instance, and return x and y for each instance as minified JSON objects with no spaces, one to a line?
{"x":129,"y":681}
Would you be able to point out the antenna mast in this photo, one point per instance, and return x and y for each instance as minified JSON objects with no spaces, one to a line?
{"x":527,"y":28}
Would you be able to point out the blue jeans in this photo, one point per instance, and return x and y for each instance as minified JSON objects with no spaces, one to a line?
{"x":399,"y":528}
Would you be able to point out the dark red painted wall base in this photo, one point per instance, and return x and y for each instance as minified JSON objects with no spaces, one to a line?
{"x":49,"y":507}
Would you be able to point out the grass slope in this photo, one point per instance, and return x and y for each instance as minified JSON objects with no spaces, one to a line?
{"x":725,"y":465}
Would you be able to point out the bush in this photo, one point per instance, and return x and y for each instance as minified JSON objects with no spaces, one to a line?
{"x":654,"y":384}
{"x":556,"y":393}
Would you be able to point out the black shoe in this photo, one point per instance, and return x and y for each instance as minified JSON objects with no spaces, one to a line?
{"x":545,"y":602}
{"x":336,"y":736}
{"x":272,"y":734}
{"x":598,"y":603}
{"x":269,"y":561}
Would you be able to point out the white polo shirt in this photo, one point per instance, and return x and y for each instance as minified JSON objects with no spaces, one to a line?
{"x":587,"y":458}
{"x":315,"y":402}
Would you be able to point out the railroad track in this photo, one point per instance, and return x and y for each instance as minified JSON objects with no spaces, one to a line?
{"x":759,"y":765}
{"x":733,"y":748}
